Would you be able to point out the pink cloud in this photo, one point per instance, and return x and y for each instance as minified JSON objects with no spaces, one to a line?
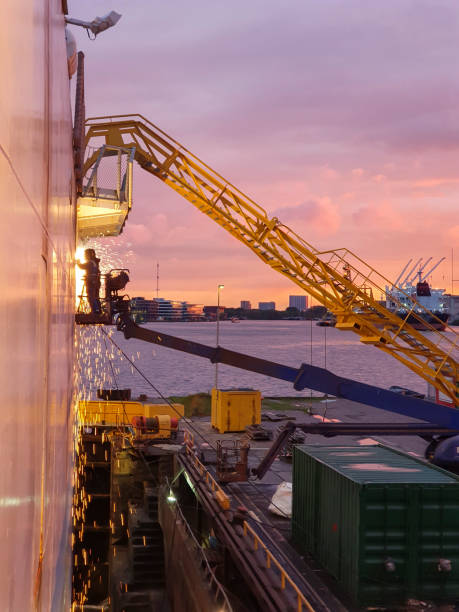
{"x":453,"y":235}
{"x":139,"y":234}
{"x":382,"y":217}
{"x":329,"y":173}
{"x":319,"y":215}
{"x":436,"y":182}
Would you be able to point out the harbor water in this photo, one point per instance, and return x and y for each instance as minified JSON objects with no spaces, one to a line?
{"x":287,"y":342}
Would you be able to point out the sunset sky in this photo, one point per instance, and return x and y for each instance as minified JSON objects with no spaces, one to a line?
{"x":339,"y":117}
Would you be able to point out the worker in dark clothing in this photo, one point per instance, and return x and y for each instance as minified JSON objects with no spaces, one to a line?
{"x":92,"y":279}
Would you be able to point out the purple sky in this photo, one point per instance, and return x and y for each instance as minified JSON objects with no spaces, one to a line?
{"x":340,"y":117}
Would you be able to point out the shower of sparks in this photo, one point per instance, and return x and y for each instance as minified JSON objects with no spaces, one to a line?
{"x":112,"y":256}
{"x":97,"y":366}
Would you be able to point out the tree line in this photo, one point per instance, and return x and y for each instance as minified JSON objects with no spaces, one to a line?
{"x":314,"y":313}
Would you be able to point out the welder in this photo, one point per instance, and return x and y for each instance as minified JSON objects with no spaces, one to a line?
{"x":91,"y":279}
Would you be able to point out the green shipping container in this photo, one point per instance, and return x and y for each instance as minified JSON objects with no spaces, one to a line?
{"x":383,"y":523}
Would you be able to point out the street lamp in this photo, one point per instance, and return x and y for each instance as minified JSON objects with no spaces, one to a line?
{"x":219,"y":287}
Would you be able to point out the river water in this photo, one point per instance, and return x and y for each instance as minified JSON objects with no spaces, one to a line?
{"x":287,"y":342}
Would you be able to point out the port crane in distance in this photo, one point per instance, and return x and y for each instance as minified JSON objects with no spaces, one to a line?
{"x":337,"y":279}
{"x":441,"y":421}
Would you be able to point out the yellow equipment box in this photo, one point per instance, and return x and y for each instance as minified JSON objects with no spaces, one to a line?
{"x":234,"y":410}
{"x":100,"y":412}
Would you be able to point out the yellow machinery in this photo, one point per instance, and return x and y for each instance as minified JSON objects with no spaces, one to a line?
{"x":235,"y":410}
{"x":100,"y":412}
{"x":157,"y":427}
{"x":338,"y":279}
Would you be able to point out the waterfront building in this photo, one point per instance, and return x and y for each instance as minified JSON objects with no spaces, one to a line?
{"x":138,"y":308}
{"x":246,"y":305}
{"x":144,"y":310}
{"x":211,"y":312}
{"x":161,"y":309}
{"x":266,"y":305}
{"x":194,"y":312}
{"x":300,"y":302}
{"x":170,"y":310}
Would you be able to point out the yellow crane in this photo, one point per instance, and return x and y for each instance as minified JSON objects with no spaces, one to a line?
{"x":338,"y":279}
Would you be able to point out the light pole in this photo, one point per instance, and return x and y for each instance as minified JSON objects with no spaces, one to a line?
{"x":219,"y":287}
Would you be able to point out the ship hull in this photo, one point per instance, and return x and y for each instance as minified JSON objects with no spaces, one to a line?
{"x":438,"y":321}
{"x":37,"y":243}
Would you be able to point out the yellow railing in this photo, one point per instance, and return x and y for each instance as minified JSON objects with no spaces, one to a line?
{"x":221,"y":497}
{"x":118,"y":413}
{"x":302,"y":602}
{"x":188,"y":438}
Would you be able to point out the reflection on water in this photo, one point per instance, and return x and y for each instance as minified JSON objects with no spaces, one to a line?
{"x":287,"y":342}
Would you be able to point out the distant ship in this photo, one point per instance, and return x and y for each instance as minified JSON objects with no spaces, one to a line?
{"x":418,"y":302}
{"x":328,"y":321}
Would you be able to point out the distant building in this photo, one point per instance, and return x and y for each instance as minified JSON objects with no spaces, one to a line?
{"x":170,"y":310}
{"x":144,"y":310}
{"x":300,"y":302}
{"x":165,"y":310}
{"x":194,"y":312}
{"x":246,"y":305}
{"x":266,"y":305}
{"x":211,"y":312}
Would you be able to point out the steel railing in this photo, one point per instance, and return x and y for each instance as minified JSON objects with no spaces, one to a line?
{"x":270,"y":559}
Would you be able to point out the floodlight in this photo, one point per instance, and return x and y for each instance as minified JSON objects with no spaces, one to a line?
{"x":97,"y":25}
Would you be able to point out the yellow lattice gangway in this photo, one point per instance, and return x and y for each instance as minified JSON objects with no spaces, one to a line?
{"x":338,"y":279}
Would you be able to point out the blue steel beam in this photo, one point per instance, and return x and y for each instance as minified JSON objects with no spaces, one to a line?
{"x":307,"y":376}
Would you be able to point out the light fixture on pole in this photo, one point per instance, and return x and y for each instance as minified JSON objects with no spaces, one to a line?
{"x":219,"y":287}
{"x":97,"y":25}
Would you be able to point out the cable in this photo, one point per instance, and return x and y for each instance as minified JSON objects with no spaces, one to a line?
{"x":114,"y":377}
{"x":325,"y":366}
{"x":310,"y":335}
{"x":111,"y":365}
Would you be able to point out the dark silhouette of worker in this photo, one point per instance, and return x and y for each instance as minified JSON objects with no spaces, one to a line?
{"x":91,"y":279}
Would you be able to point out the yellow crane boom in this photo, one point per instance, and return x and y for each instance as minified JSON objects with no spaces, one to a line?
{"x":338,"y":279}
